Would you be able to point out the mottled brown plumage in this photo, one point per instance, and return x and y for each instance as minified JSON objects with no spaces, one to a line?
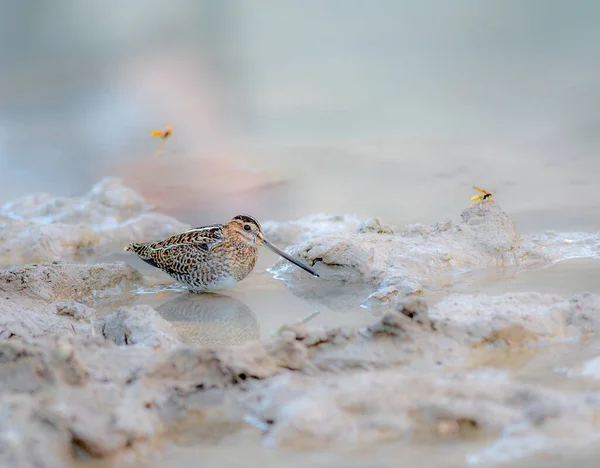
{"x":210,"y":257}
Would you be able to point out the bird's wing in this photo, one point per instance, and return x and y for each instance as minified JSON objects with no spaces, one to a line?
{"x":181,"y":253}
{"x":203,"y":238}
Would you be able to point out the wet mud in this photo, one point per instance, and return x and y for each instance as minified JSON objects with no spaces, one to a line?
{"x":93,"y":376}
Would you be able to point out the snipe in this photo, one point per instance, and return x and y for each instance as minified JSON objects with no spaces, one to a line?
{"x":211,"y":257}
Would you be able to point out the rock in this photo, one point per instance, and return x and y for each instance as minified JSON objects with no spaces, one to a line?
{"x":41,"y":227}
{"x":138,"y":325}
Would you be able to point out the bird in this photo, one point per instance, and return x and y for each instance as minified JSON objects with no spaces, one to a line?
{"x":211,"y":257}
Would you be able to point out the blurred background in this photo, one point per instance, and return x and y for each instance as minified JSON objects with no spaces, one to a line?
{"x":283,"y":108}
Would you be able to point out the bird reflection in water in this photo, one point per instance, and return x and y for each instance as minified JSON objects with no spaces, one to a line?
{"x":210,"y":319}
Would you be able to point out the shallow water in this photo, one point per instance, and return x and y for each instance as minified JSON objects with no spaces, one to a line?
{"x":260,"y":304}
{"x":392,"y":111}
{"x":565,"y":278}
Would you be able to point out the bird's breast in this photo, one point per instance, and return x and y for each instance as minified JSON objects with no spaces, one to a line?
{"x":242,"y":259}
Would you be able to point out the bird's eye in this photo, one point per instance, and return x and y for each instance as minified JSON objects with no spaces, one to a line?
{"x":247,"y":227}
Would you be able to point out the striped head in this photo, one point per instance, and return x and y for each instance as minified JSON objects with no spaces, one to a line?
{"x":247,"y":228}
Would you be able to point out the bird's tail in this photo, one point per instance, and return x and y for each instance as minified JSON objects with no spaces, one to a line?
{"x":141,"y":250}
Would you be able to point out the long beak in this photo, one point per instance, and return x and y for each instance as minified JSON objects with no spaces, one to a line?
{"x":278,"y":251}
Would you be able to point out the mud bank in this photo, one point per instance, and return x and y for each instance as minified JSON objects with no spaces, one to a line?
{"x":398,"y":261}
{"x":86,"y":373}
{"x":73,"y":381}
{"x":42,"y":227}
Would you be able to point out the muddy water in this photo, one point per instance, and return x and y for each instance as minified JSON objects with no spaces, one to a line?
{"x":565,"y":278}
{"x":257,"y":307}
{"x":392,"y":111}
